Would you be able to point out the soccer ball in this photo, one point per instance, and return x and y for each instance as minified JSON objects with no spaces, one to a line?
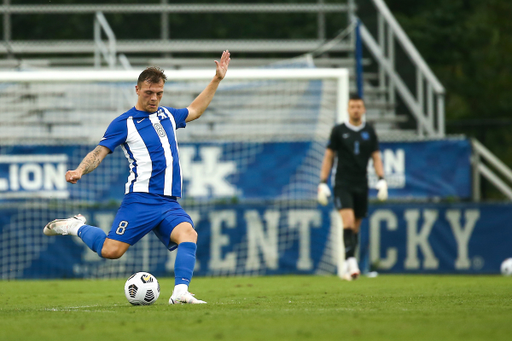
{"x":506,"y":267}
{"x":142,"y":288}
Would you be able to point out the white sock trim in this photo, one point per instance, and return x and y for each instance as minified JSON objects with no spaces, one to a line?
{"x":73,"y":230}
{"x":180,"y":289}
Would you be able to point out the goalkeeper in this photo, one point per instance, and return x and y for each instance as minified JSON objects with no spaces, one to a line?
{"x":353,"y":143}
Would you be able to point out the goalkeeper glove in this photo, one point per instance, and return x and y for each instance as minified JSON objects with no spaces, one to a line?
{"x":323,"y":194}
{"x":382,"y":188}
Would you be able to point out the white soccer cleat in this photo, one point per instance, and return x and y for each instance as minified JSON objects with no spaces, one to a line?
{"x":62,"y":226}
{"x":355,"y":274}
{"x":344,"y":274}
{"x":185,"y":298}
{"x":346,"y":277}
{"x":353,"y":268}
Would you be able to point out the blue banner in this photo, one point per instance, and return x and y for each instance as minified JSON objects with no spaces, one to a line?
{"x":272,"y":224}
{"x":426,"y":169}
{"x":226,"y":170}
{"x":233,"y":239}
{"x":271,"y":239}
{"x":261,"y":171}
{"x":438,"y":238}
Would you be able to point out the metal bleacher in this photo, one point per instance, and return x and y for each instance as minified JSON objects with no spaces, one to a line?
{"x":397,"y":110}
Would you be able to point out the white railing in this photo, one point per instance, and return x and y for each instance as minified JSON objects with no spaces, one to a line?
{"x":480,"y":153}
{"x":427,"y":104}
{"x":109,"y":52}
{"x":101,"y":49}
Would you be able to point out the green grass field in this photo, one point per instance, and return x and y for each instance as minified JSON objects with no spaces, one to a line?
{"x":389,"y":307}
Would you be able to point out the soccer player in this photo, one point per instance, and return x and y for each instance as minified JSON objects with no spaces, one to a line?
{"x":353,"y":143}
{"x":147,"y":135}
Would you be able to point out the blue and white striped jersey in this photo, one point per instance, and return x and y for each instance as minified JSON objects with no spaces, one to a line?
{"x":150,"y":145}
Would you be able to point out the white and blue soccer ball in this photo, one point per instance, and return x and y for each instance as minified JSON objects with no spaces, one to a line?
{"x":142,"y":288}
{"x":506,"y":267}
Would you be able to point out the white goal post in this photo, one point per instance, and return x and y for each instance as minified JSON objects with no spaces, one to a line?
{"x":251,"y":165}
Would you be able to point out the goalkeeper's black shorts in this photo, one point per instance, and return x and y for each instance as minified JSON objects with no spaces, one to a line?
{"x":354,"y":198}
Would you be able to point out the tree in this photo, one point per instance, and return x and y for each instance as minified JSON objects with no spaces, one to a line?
{"x":468,"y":44}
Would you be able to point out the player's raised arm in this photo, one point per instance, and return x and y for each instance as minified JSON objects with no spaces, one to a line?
{"x":90,"y":162}
{"x":199,"y":105}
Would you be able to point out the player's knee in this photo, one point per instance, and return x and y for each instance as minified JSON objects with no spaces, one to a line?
{"x":190,"y":235}
{"x":184,"y":233}
{"x":111,"y":253}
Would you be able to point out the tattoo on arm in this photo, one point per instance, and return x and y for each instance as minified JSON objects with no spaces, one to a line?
{"x":91,"y":161}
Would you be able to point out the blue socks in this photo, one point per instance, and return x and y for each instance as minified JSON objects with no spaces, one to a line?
{"x":93,"y":237}
{"x":185,"y":263}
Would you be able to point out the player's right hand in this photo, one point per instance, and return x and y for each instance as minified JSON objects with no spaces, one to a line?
{"x":73,"y":176}
{"x":324,"y":193}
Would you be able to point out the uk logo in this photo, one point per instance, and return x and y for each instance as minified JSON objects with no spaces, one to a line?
{"x":161,"y":114}
{"x":207,"y":175}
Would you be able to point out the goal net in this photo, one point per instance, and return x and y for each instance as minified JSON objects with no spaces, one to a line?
{"x":251,"y":165}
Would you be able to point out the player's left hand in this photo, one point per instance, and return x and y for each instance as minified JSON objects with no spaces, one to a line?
{"x":222,"y":66}
{"x":382,"y":187}
{"x":324,"y":192}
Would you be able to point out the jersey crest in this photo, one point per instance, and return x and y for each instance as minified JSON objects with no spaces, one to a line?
{"x":161,"y":114}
